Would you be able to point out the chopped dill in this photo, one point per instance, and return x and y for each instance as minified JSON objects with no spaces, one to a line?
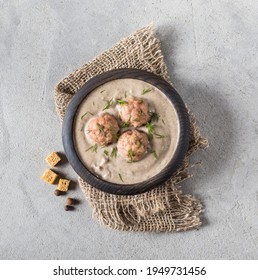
{"x":130,"y":155}
{"x":150,"y":129}
{"x":86,"y":114}
{"x":163,"y":121}
{"x":108,"y":104}
{"x":126,"y":124}
{"x":92,"y":148}
{"x":154,"y":117}
{"x":114,"y":152}
{"x":106,"y":153}
{"x":151,"y":132}
{"x":159,"y":135}
{"x":122,"y":102}
{"x":120,"y":176}
{"x":146,"y":90}
{"x":100,"y":127}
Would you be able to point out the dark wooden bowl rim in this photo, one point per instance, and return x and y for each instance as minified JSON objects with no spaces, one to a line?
{"x":126,"y":189}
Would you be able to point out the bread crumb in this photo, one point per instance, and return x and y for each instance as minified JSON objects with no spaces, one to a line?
{"x":63,"y":185}
{"x":49,"y":176}
{"x":53,"y":159}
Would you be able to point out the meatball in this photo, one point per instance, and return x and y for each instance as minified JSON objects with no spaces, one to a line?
{"x":103,"y":130}
{"x":132,"y":145}
{"x":134,"y":111}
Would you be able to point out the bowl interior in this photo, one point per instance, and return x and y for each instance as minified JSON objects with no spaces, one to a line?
{"x":165,"y":166}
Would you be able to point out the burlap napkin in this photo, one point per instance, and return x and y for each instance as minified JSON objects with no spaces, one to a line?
{"x":164,"y":208}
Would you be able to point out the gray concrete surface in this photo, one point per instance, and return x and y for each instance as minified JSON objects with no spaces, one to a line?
{"x":211,"y":49}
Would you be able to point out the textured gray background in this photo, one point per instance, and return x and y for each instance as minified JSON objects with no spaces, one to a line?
{"x":211,"y":51}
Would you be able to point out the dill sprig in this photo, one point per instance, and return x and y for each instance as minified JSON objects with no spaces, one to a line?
{"x":126,"y":124}
{"x":154,"y":117}
{"x":109,"y":103}
{"x":130,"y":155}
{"x":120,"y":176}
{"x":150,"y":128}
{"x":122,"y":102}
{"x":146,"y":90}
{"x":100,"y":127}
{"x":114,"y":152}
{"x":92,"y":148}
{"x":159,"y":135}
{"x":151,"y":131}
{"x":86,"y":114}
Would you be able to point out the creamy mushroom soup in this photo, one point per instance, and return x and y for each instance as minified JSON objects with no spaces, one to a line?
{"x":107,"y":158}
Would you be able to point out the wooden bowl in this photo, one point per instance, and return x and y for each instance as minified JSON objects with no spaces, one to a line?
{"x":158,"y":179}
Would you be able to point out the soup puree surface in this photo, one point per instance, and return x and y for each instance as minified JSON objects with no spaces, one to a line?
{"x":118,"y":170}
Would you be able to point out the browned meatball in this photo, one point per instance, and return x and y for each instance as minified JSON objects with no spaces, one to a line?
{"x":132,"y":145}
{"x":103,"y":130}
{"x":134,"y":111}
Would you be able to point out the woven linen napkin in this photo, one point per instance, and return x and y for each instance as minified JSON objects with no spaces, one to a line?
{"x":164,"y":208}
